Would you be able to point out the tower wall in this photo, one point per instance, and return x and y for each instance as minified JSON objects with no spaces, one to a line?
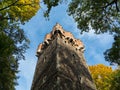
{"x":61,"y":65}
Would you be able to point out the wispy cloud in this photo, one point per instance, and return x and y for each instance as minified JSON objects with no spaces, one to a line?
{"x":95,"y":44}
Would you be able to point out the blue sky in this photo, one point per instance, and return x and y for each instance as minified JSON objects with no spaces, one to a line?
{"x":38,"y":27}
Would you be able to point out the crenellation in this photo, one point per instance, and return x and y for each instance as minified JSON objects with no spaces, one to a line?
{"x":57,"y":27}
{"x":48,"y":38}
{"x":67,"y":36}
{"x":39,"y":49}
{"x":79,"y":45}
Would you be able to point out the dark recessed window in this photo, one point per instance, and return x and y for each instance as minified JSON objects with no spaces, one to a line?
{"x":71,"y":40}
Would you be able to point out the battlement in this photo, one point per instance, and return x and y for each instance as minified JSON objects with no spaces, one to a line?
{"x":58,"y":31}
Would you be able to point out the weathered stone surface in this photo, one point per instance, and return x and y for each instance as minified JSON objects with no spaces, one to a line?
{"x":61,"y":66}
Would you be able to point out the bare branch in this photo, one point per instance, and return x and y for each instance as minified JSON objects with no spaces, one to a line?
{"x":116,"y":6}
{"x":5,"y":18}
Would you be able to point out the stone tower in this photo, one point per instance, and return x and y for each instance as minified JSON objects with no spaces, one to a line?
{"x":61,"y":64}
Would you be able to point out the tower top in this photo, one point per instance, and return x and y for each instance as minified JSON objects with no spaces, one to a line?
{"x":67,"y":37}
{"x":58,"y":25}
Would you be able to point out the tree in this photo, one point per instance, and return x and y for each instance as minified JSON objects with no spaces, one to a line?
{"x":18,"y":10}
{"x":50,"y":4}
{"x":13,"y":41}
{"x":113,"y":55}
{"x":115,"y":83}
{"x":13,"y":44}
{"x":102,"y":76}
{"x":8,"y":65}
{"x":101,"y":16}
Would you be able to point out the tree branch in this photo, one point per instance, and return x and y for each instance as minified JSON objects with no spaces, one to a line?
{"x":111,"y":3}
{"x":5,"y":18}
{"x":23,"y":4}
{"x":9,"y":5}
{"x":117,"y":6}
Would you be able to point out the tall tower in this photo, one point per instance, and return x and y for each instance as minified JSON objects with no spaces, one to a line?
{"x":61,"y":64}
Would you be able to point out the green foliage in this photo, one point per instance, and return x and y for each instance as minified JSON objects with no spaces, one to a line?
{"x":115,"y":84}
{"x":13,"y":41}
{"x":6,"y":45}
{"x":8,"y":65}
{"x":14,"y":35}
{"x":13,"y":44}
{"x":113,"y":54}
{"x":50,"y":4}
{"x":101,"y":16}
{"x":95,"y":14}
{"x":8,"y":69}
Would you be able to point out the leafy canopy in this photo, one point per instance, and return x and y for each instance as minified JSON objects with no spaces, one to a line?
{"x":13,"y":41}
{"x":105,"y":78}
{"x":102,"y":76}
{"x":8,"y":64}
{"x":113,"y":54}
{"x":19,"y":10}
{"x":100,"y":15}
{"x":115,"y":83}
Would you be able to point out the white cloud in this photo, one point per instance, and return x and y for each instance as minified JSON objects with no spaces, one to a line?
{"x":95,"y":56}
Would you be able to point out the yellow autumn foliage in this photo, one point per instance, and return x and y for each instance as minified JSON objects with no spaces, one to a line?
{"x":102,"y":76}
{"x":21,"y":10}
